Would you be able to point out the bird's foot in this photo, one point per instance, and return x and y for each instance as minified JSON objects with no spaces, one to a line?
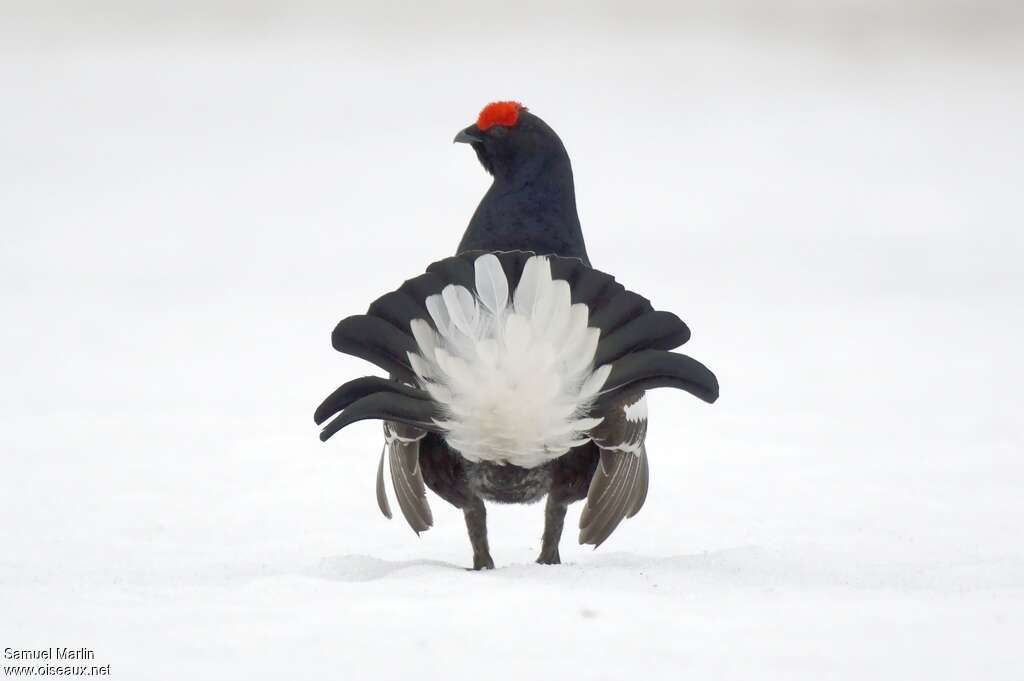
{"x":483,"y":562}
{"x":549,"y":557}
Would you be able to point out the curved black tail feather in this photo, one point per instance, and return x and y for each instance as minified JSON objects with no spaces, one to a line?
{"x":655,"y":330}
{"x":359,"y":388}
{"x":377,"y":341}
{"x":648,"y":369}
{"x":634,"y":338}
{"x":386,"y":406}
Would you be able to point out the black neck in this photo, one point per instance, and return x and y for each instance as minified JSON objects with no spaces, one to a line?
{"x":535,"y":214}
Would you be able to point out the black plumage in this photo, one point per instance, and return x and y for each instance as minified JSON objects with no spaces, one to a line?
{"x":531,"y":205}
{"x":529,"y":209}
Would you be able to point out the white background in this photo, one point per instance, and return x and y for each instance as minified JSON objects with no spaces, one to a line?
{"x":191,"y":196}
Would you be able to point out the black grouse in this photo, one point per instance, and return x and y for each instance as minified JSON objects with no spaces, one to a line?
{"x":516,"y":371}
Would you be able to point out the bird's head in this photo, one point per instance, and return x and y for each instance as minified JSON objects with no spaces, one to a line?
{"x":511,"y":142}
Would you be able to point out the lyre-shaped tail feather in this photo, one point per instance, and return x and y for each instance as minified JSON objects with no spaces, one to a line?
{"x":510,"y":356}
{"x":375,"y":340}
{"x":653,"y":330}
{"x":372,"y":397}
{"x":649,"y":369}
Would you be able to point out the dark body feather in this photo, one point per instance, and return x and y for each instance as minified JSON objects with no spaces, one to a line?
{"x":458,"y":480}
{"x":530,"y":206}
{"x":529,"y":209}
{"x":611,"y":470}
{"x":466,"y":485}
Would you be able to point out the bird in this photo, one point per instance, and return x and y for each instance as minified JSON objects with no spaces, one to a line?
{"x":516,"y":370}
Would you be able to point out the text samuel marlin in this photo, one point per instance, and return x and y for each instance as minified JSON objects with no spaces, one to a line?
{"x":50,"y":654}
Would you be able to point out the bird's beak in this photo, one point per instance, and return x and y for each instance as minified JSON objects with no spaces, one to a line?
{"x":470,"y":135}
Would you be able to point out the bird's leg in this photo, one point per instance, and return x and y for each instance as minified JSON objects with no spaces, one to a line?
{"x":476,"y":525}
{"x":554,"y":519}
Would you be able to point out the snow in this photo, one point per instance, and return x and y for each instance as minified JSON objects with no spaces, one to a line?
{"x":835,"y":213}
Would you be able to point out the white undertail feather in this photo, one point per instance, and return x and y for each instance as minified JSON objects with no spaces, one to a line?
{"x":515,"y":378}
{"x":637,"y":411}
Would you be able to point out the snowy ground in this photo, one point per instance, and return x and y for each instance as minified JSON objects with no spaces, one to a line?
{"x":837,"y":215}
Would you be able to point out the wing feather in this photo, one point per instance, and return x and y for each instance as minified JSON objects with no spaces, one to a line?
{"x":620,"y":483}
{"x":403,"y":444}
{"x":382,"y":495}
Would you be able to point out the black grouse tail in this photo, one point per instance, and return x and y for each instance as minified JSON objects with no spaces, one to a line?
{"x":512,"y":357}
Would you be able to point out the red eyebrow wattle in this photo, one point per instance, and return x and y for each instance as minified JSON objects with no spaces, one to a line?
{"x":499,"y":113}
